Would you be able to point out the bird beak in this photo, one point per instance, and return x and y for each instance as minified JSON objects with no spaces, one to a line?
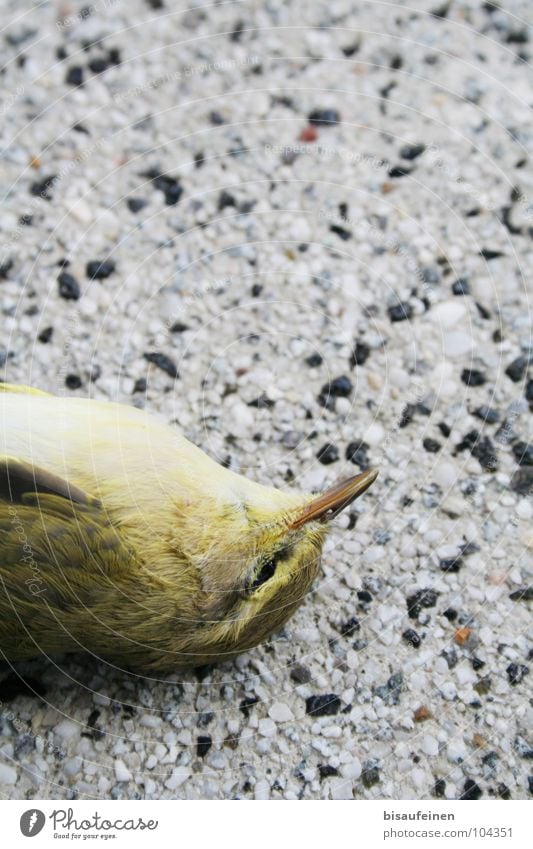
{"x":329,"y":504}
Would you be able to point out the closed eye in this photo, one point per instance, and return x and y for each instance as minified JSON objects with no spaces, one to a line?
{"x":267,"y":569}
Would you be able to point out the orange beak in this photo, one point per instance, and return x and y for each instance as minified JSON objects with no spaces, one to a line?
{"x":329,"y":504}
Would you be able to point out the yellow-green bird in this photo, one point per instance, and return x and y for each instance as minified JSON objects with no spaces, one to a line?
{"x":121,"y":538}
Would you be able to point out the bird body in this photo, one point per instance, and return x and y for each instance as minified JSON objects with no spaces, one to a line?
{"x":120,"y":537}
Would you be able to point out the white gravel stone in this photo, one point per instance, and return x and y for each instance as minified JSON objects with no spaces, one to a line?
{"x":122,"y":772}
{"x":8,"y":774}
{"x":280,"y":712}
{"x":267,"y":728}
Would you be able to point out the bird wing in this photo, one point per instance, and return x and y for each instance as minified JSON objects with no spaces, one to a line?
{"x":60,"y":556}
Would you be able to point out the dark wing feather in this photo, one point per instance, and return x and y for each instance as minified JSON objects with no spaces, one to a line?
{"x":61,"y":561}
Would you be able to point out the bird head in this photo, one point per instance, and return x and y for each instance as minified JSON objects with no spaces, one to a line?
{"x":258,"y":570}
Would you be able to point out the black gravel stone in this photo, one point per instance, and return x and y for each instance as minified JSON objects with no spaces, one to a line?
{"x":69,"y":288}
{"x":431,"y":445}
{"x":523,"y":748}
{"x":350,"y":627}
{"x":216,"y":118}
{"x":314,"y":360}
{"x":327,"y":771}
{"x":523,"y":452}
{"x":471,"y":790}
{"x":450,"y":564}
{"x":98,"y":65}
{"x":5,"y":268}
{"x":364,"y":596}
{"x":473,"y":377}
{"x":523,"y":594}
{"x":324,"y":117}
{"x":341,"y":232}
{"x":400,"y":312}
{"x":530,"y":784}
{"x":522,"y":481}
{"x":517,"y":36}
{"x":450,"y":614}
{"x":516,"y":672}
{"x":113,"y":56}
{"x":74,"y":76}
{"x":203,"y":744}
{"x":477,"y":663}
{"x":487,"y":414}
{"x":300,"y":674}
{"x":99,"y":270}
{"x":339,"y":387}
{"x":444,"y":429}
{"x":248,"y":703}
{"x":439,"y":788}
{"x":408,"y":414}
{"x":360,"y":354}
{"x":225,"y":199}
{"x":450,"y":656}
{"x":45,"y":335}
{"x":136,"y":204}
{"x":503,"y":791}
{"x":263,"y":402}
{"x":163,"y":362}
{"x":328,"y":454}
{"x":170,"y":186}
{"x":399,"y":171}
{"x":351,"y":49}
{"x":390,"y":692}
{"x":517,"y":369}
{"x":256,"y":290}
{"x":326,"y":705}
{"x":412,"y":638}
{"x":42,"y":188}
{"x":73,"y":381}
{"x":487,"y":253}
{"x":412,"y":151}
{"x":140,"y":385}
{"x":420,"y":599}
{"x":483,"y":311}
{"x":179,"y":327}
{"x":370,"y":774}
{"x":356,"y":453}
{"x":461,"y":287}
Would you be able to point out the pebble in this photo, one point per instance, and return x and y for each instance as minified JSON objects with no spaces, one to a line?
{"x":69,"y":288}
{"x":323,"y":117}
{"x":280,"y":712}
{"x":100,"y":269}
{"x":8,"y":774}
{"x":323,"y":705}
{"x":517,"y":369}
{"x":178,"y":777}
{"x":122,"y":772}
{"x":400,"y":312}
{"x":473,"y":377}
{"x":267,"y":727}
{"x":163,"y":362}
{"x":457,"y":344}
{"x":328,"y":454}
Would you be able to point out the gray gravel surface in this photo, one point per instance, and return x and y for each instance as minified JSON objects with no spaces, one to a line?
{"x":327,"y":207}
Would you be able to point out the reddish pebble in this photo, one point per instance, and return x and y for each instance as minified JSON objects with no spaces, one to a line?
{"x":461,"y":635}
{"x":309,"y":134}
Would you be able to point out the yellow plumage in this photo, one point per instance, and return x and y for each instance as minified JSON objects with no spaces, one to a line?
{"x":120,"y":537}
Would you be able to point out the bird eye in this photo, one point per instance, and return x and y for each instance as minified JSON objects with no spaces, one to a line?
{"x":267,"y":571}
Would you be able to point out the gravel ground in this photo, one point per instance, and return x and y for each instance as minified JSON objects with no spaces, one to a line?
{"x":322,"y":219}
